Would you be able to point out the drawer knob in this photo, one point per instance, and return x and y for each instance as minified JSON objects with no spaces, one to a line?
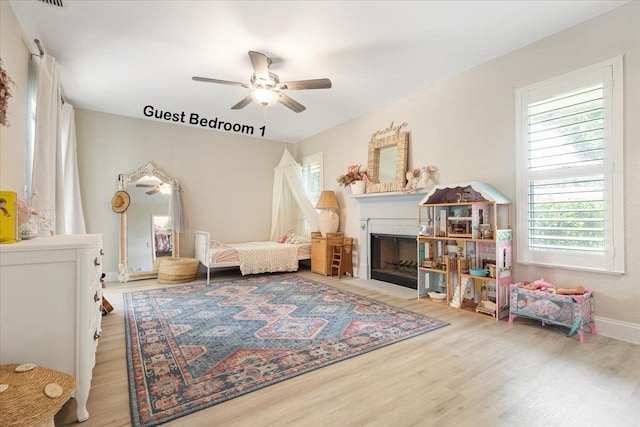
{"x":96,"y":262}
{"x":96,"y":298}
{"x":101,"y":252}
{"x":96,"y":335}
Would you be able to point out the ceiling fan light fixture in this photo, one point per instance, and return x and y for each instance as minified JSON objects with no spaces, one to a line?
{"x":265,"y":96}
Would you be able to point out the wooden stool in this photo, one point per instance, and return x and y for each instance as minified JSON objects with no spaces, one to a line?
{"x":342,"y":260}
{"x":178,"y":270}
{"x":25,"y":402}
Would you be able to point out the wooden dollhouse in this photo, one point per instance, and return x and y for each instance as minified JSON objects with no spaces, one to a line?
{"x":464,"y":247}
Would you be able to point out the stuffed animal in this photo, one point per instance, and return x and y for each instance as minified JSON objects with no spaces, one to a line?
{"x":542,"y":285}
{"x":412,"y":181}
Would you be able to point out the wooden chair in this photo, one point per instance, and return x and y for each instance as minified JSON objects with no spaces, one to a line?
{"x":342,"y":260}
{"x":464,"y":264}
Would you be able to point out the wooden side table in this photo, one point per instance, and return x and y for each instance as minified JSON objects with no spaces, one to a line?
{"x":24,"y":402}
{"x":322,"y":251}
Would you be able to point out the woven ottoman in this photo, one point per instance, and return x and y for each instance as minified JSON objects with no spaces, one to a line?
{"x":26,"y":398}
{"x":178,"y":270}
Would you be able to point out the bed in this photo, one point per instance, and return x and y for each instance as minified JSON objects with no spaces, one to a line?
{"x":252,"y":257}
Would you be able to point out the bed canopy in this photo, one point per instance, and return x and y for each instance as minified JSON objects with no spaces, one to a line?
{"x":289,"y":198}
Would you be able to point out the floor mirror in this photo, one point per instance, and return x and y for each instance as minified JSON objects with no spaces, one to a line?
{"x":145,"y":234}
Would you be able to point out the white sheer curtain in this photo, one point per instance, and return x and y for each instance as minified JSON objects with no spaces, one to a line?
{"x":70,"y":219}
{"x":55,"y":171}
{"x":289,"y":198}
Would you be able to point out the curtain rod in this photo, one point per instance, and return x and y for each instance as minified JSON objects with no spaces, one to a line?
{"x":41,"y":50}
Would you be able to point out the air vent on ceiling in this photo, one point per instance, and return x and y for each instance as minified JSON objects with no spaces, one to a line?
{"x":53,"y":2}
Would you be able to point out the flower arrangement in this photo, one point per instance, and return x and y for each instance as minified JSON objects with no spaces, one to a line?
{"x":5,"y":94}
{"x":353,"y":174}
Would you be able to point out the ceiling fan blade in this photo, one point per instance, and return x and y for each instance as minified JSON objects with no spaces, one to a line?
{"x":224,"y":82}
{"x":260,"y":64}
{"x":246,"y":101}
{"x":291,"y":103}
{"x":307,"y":84}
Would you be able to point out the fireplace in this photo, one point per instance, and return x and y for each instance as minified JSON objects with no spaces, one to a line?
{"x":394,"y":259}
{"x":388,"y":220}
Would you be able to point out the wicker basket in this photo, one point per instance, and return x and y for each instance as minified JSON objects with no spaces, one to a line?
{"x":178,"y":270}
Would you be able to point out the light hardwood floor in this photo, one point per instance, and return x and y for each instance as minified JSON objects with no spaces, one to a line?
{"x":474,"y":372}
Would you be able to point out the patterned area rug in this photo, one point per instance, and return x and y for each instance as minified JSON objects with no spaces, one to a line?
{"x":193,"y":346}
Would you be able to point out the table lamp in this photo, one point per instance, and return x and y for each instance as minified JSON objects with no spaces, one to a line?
{"x":328,"y":219}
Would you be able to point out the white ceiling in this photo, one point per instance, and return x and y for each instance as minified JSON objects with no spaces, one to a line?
{"x":119,"y":56}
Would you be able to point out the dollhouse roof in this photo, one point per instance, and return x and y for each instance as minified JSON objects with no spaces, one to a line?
{"x":472,"y":191}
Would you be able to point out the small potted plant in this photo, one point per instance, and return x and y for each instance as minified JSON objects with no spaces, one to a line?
{"x":355,"y":178}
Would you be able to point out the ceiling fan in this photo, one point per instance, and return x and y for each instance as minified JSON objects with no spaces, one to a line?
{"x":265,"y":86}
{"x":155,"y":188}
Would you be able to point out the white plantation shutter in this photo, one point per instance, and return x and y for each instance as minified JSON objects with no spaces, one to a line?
{"x":312,"y":176}
{"x":566,"y":134}
{"x":312,"y":181}
{"x":569,"y":166}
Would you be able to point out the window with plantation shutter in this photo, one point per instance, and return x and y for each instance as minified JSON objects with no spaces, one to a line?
{"x":312,"y":176}
{"x":312,"y":181}
{"x":569,"y":170}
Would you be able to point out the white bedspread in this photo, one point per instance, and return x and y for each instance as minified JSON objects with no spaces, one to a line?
{"x":266,"y":257}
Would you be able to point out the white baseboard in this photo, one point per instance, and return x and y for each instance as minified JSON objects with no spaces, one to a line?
{"x":618,"y":329}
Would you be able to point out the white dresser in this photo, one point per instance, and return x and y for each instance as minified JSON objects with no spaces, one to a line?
{"x":50,"y":297}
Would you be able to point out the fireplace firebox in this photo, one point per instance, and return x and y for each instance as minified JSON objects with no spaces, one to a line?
{"x":394,"y":259}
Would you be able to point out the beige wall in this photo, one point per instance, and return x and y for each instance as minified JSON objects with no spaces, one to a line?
{"x":226,"y":179}
{"x":15,"y":59}
{"x":465,"y":126}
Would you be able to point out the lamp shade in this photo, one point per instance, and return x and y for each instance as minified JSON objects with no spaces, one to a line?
{"x":327,"y":200}
{"x":328,"y":220}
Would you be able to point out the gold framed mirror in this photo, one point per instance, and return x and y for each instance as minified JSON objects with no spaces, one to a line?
{"x":143,"y":240}
{"x":388,"y":156}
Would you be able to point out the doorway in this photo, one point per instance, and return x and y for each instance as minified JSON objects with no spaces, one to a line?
{"x":162,"y":236}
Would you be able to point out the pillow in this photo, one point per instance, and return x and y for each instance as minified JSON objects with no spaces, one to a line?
{"x":296,"y":240}
{"x":285,"y":237}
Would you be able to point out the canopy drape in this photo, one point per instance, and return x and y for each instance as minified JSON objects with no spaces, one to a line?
{"x":289,"y":198}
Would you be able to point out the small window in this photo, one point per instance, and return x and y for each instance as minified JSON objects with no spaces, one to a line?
{"x":312,"y":176}
{"x":312,"y":181}
{"x":569,"y":170}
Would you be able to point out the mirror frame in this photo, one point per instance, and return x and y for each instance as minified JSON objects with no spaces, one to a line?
{"x":377,"y":142}
{"x":123,"y":180}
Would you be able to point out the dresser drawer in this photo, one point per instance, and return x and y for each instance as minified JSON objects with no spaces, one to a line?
{"x":96,"y":263}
